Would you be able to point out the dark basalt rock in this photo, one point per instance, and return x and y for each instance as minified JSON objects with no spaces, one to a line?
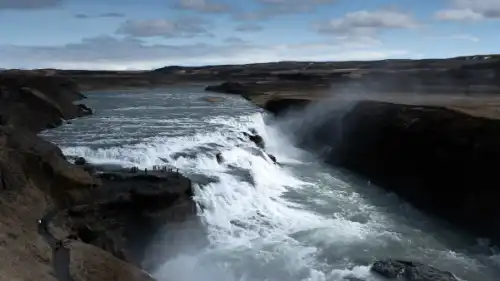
{"x":84,"y":110}
{"x":36,"y":180}
{"x":410,"y":271}
{"x":437,"y":159}
{"x":44,"y":163}
{"x":219,"y":157}
{"x":272,"y":157}
{"x":281,"y":106}
{"x":258,"y":140}
{"x":80,"y":161}
{"x":54,"y":125}
{"x":228,"y":87}
{"x":38,"y":102}
{"x":255,"y":138}
{"x":130,"y":208}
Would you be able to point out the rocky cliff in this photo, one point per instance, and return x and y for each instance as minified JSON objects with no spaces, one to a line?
{"x":439,"y":152}
{"x":438,"y":159}
{"x":61,"y":221}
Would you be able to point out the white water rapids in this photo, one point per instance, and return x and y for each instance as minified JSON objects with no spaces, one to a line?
{"x":300,"y":220}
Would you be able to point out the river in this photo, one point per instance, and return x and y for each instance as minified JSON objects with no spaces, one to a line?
{"x":300,"y":220}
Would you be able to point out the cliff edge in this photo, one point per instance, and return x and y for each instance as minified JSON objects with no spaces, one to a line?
{"x":438,"y":152}
{"x":439,"y":159}
{"x":37,"y":183}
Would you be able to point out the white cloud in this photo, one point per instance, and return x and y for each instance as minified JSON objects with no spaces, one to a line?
{"x":29,"y":4}
{"x":107,"y":52}
{"x":458,"y":15}
{"x":163,"y":28}
{"x":274,"y":8}
{"x":368,"y":22}
{"x":470,"y":10}
{"x":206,"y":6}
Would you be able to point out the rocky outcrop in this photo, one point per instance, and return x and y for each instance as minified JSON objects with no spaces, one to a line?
{"x":438,"y":159}
{"x":228,"y":88}
{"x":410,"y":271}
{"x":269,"y":86}
{"x":255,"y":138}
{"x":90,"y":263}
{"x":36,"y":181}
{"x":35,"y":178}
{"x":38,"y":102}
{"x":128,"y":210}
{"x":283,"y":105}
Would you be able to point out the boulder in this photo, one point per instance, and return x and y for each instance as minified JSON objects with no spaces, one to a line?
{"x":273,"y":158}
{"x":410,"y":271}
{"x":255,"y":138}
{"x":258,"y":140}
{"x":219,"y":157}
{"x":80,"y":161}
{"x":84,"y":110}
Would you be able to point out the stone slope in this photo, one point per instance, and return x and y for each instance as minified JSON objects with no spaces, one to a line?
{"x":38,"y":102}
{"x":35,"y":178}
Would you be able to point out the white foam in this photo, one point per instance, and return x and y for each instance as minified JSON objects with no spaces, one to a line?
{"x":255,"y":221}
{"x":361,"y":272}
{"x":252,"y":220}
{"x":255,"y":232}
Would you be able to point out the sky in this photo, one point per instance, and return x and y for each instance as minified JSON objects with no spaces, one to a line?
{"x":147,"y":34}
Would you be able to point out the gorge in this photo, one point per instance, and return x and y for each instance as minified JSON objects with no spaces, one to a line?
{"x":93,"y":208}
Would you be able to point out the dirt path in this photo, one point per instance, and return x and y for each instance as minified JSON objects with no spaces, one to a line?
{"x":60,"y":254}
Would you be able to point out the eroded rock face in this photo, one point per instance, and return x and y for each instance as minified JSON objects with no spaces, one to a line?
{"x":282,"y":106}
{"x":21,"y":203}
{"x":228,"y":88}
{"x":38,"y":102}
{"x":26,"y":155}
{"x":90,"y":263}
{"x":438,"y":159}
{"x":410,"y":271}
{"x":36,"y":180}
{"x":129,"y":210}
{"x":34,"y":177}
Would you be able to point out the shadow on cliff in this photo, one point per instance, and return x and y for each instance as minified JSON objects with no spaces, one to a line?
{"x":322,"y":127}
